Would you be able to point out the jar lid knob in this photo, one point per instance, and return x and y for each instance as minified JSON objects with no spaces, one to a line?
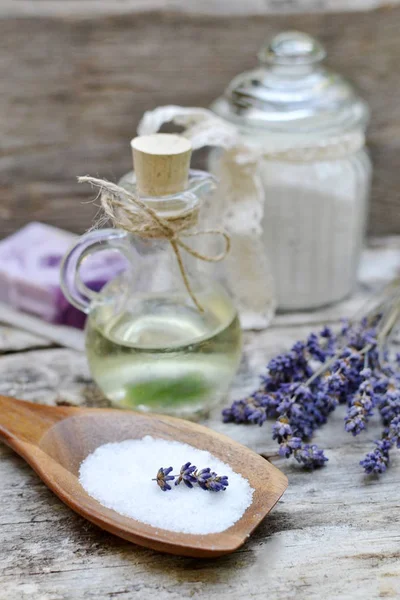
{"x":292,"y":48}
{"x":161,"y":163}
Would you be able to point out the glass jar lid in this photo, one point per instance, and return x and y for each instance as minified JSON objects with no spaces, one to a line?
{"x":290,"y":91}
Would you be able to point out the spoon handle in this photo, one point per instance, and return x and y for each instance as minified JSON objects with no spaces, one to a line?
{"x":22,"y":421}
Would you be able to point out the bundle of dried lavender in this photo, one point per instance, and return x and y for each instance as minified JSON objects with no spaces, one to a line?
{"x":301,"y":388}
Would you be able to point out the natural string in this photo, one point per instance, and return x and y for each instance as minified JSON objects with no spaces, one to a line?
{"x":121,"y":206}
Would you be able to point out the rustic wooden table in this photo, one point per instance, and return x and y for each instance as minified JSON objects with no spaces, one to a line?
{"x":334,"y":535}
{"x":72,"y":97}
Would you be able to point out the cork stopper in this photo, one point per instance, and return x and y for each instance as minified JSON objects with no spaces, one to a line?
{"x":161,"y":162}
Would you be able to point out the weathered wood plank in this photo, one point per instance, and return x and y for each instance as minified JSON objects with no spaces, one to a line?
{"x":60,"y":335}
{"x":48,"y":376}
{"x":74,"y":94}
{"x":15,"y":340}
{"x":334,"y":534}
{"x":216,"y":8}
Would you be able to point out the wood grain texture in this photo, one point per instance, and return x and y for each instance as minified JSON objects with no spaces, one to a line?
{"x":74,"y":88}
{"x":191,"y":7}
{"x":15,"y":340}
{"x":334,"y":535}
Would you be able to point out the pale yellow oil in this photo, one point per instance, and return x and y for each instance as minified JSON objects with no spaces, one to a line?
{"x":163,"y":355}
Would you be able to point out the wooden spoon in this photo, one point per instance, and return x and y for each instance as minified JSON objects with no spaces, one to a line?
{"x":55,"y":440}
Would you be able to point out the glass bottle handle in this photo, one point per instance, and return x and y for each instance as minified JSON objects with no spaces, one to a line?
{"x":74,"y":289}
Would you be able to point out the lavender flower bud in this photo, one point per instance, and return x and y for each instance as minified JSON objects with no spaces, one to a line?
{"x":377,"y":461}
{"x":208,"y":480}
{"x":186,"y":475}
{"x":311,"y":456}
{"x":361,"y":405}
{"x":203,"y":476}
{"x":163,"y":476}
{"x":394,"y":431}
{"x":287,"y":447}
{"x":281,"y":430}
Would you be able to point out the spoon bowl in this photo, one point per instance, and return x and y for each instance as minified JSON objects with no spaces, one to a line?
{"x":55,"y":440}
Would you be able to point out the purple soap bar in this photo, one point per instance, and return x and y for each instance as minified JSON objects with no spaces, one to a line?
{"x":30,"y":272}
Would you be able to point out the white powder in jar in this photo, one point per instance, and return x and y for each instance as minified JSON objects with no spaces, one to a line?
{"x":313,"y":228}
{"x":119,"y":476}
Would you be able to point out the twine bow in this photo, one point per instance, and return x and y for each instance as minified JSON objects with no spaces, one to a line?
{"x":121,"y":207}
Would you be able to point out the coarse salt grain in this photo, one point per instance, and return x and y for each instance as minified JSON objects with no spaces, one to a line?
{"x":119,"y":475}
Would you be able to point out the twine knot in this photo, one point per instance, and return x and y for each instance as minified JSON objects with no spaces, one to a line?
{"x":128,"y":212}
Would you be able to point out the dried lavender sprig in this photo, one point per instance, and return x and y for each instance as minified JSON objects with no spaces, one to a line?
{"x":285,"y":373}
{"x":384,"y":392}
{"x":377,"y":460}
{"x":394,"y":431}
{"x":190,"y":475}
{"x":308,"y":455}
{"x":361,"y":405}
{"x":309,"y":406}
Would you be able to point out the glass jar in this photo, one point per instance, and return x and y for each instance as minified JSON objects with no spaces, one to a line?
{"x":307,"y":124}
{"x":148,"y":345}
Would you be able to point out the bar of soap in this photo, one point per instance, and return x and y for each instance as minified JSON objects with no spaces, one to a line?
{"x":30,"y":262}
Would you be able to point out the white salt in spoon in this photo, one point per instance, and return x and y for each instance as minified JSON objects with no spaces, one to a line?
{"x":56,"y":440}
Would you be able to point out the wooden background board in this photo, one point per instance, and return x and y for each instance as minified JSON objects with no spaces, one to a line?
{"x":189,"y":7}
{"x":77,"y":75}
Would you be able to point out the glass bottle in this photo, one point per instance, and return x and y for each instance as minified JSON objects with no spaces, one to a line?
{"x":307,"y":123}
{"x":148,"y":345}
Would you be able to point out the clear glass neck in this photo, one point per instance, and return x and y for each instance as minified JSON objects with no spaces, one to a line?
{"x":200,"y":184}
